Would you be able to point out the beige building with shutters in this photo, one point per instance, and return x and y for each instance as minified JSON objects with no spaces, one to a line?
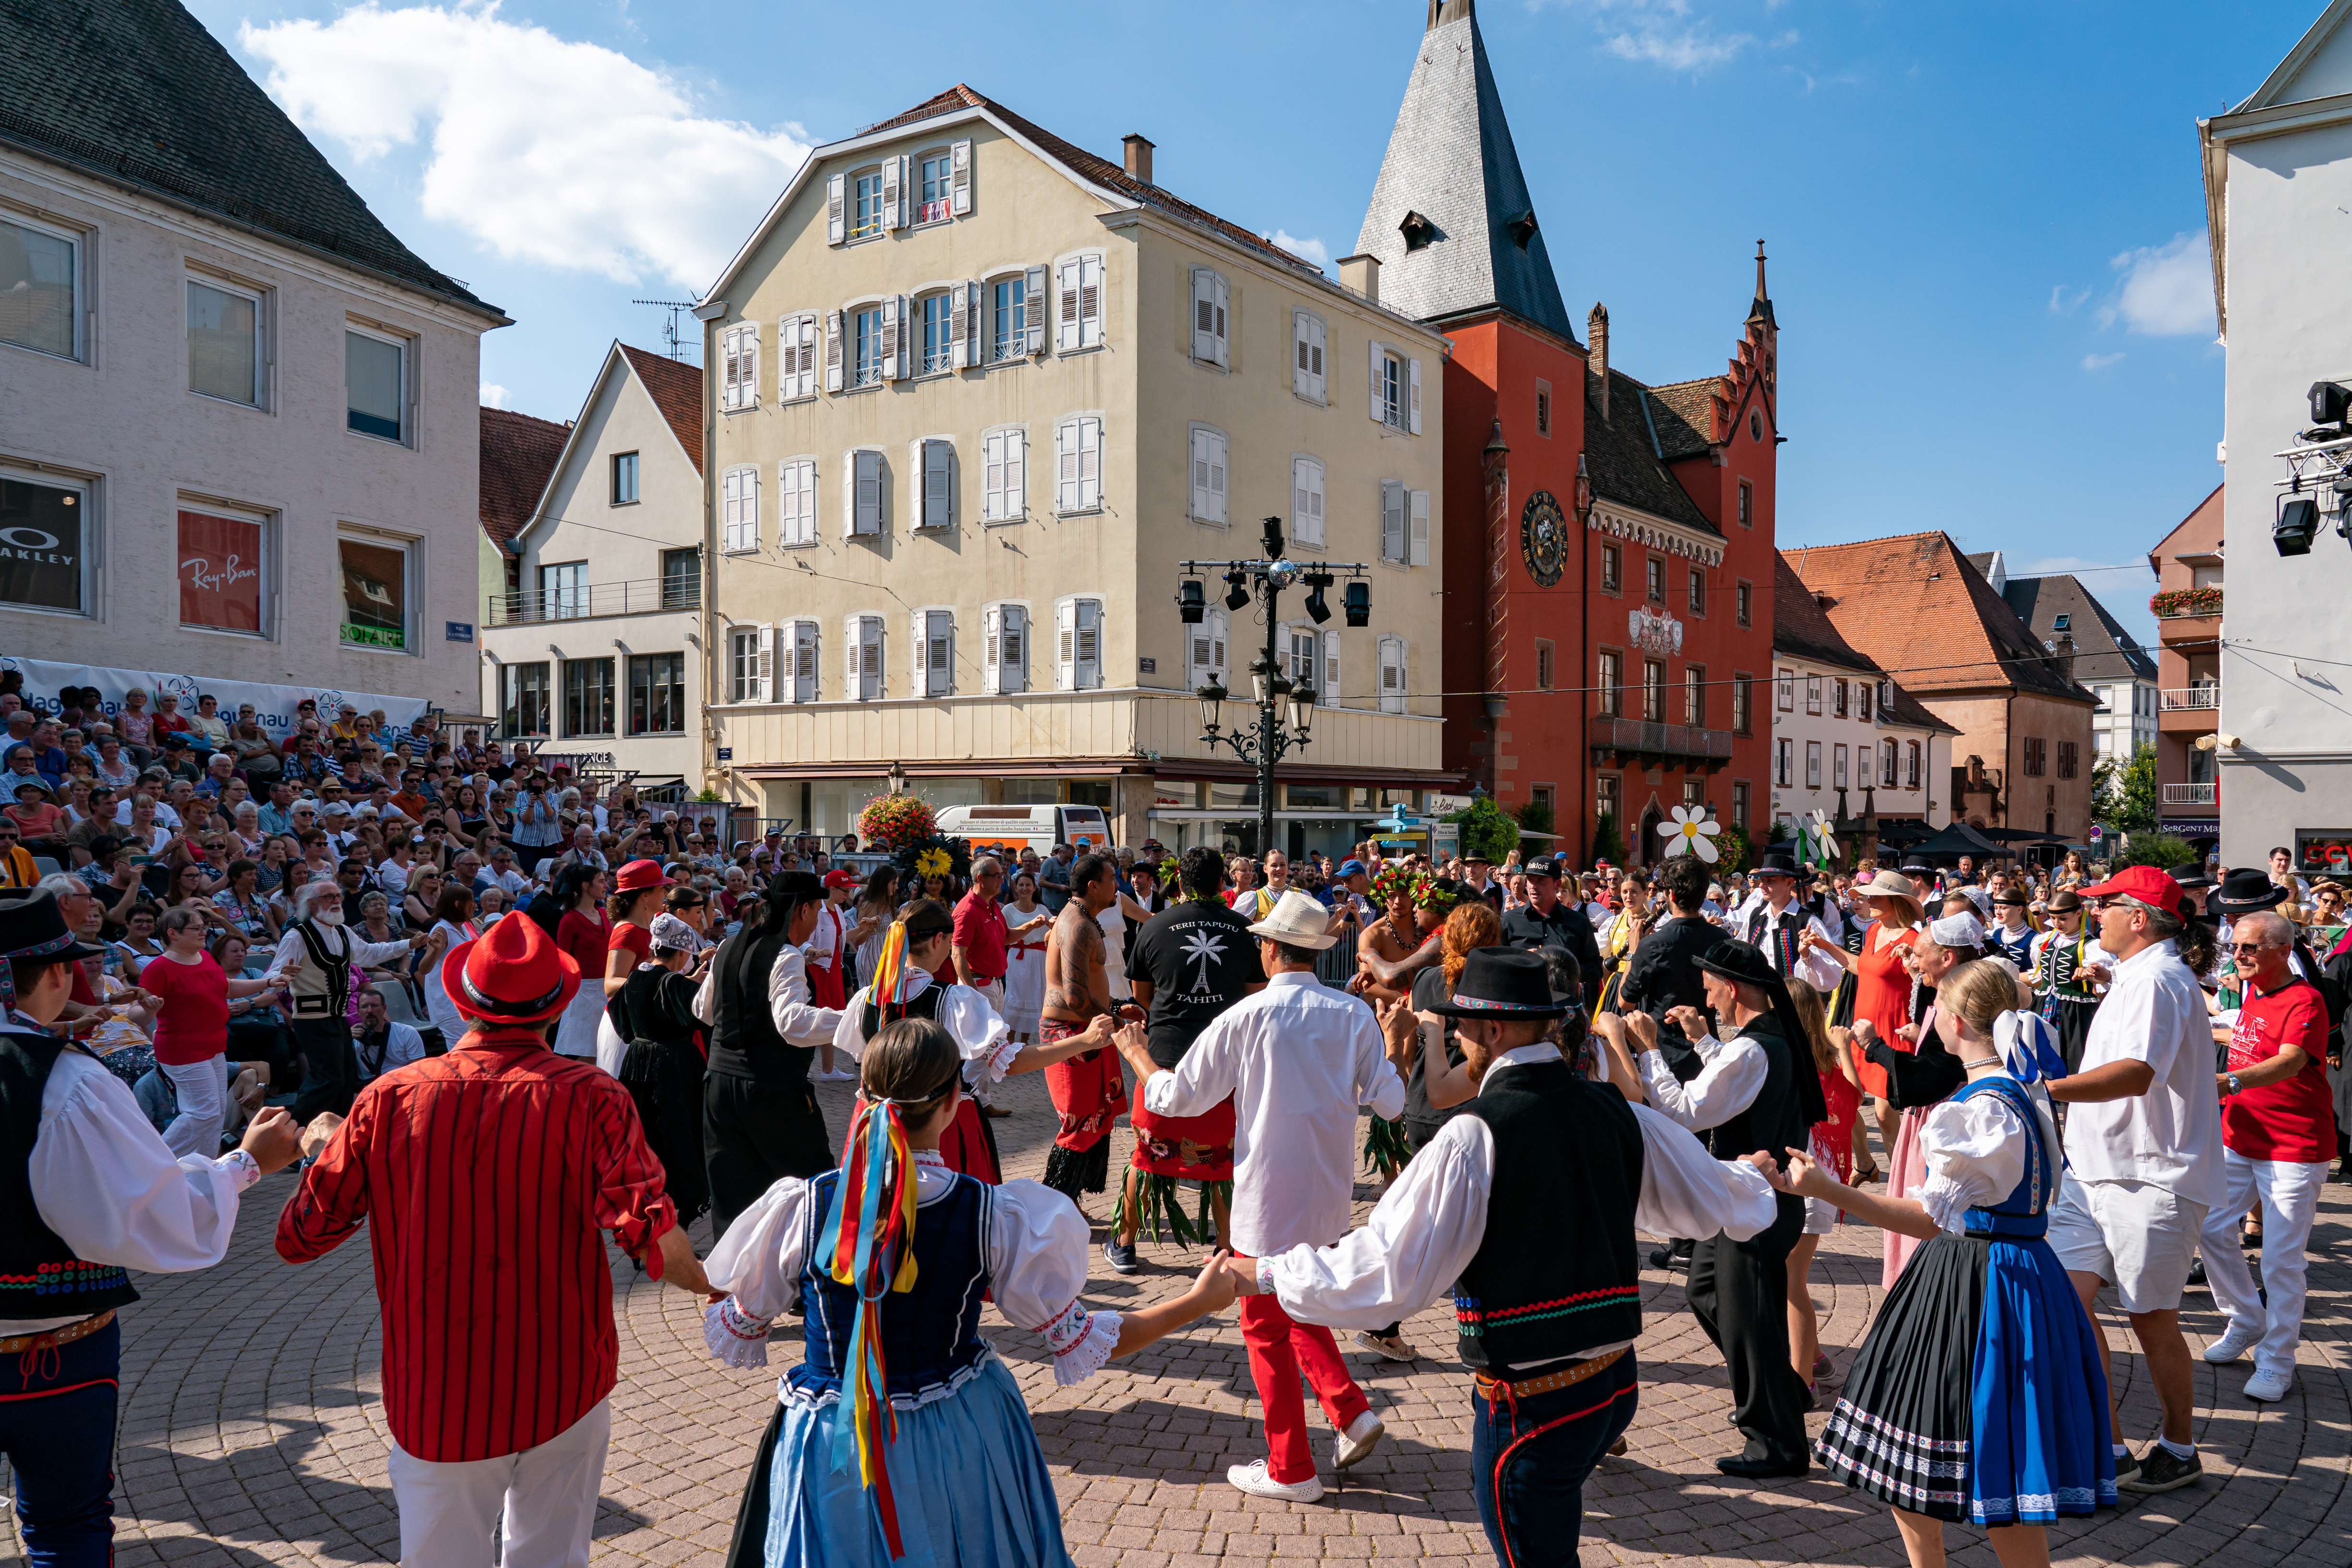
{"x":975,"y":396}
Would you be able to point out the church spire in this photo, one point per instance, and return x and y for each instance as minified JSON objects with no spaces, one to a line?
{"x":1450,"y":220}
{"x":1762,"y":310}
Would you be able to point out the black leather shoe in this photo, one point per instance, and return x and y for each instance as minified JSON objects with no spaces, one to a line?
{"x":1748,"y":1469}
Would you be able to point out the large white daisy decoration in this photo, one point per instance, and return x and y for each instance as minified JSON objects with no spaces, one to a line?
{"x":1692,"y":833}
{"x":1824,"y":844}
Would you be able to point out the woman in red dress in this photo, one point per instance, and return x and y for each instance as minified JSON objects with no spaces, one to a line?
{"x":1882,"y":981}
{"x":584,"y":933}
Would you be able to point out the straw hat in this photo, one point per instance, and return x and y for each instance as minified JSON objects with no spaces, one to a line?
{"x":1888,"y":885}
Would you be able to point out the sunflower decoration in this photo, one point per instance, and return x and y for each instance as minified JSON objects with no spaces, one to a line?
{"x":933,"y":862}
{"x":1395,"y":880}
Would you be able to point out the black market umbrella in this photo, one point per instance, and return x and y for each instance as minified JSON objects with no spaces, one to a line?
{"x":1954,"y":841}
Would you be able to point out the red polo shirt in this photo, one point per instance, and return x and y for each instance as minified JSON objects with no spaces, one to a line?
{"x":979,"y":932}
{"x":485,"y":1177}
{"x":2293,"y":1119}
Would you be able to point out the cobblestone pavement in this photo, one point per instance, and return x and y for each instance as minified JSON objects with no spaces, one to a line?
{"x":253,"y":1432}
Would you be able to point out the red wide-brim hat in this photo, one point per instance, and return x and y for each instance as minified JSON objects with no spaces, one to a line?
{"x":512,"y":973}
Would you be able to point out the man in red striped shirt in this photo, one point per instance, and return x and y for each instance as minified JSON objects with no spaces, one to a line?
{"x":490,"y":1173}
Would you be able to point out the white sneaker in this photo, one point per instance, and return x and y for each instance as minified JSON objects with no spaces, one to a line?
{"x":2234,"y":1342}
{"x":1362,"y":1436}
{"x":2269,"y":1386}
{"x":1252,"y":1478}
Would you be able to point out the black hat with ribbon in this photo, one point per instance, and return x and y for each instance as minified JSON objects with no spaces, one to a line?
{"x":1744,"y":963}
{"x":1503,"y":982}
{"x":2243,"y":892}
{"x":33,"y":925}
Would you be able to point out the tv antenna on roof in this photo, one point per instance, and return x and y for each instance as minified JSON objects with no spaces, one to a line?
{"x":669,"y":332}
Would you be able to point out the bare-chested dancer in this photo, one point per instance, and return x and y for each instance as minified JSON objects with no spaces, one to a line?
{"x":1089,"y":1090}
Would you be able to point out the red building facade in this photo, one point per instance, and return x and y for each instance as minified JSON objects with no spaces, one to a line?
{"x":1608,"y":543}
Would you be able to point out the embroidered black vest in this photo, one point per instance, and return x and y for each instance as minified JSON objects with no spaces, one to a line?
{"x":1556,"y":1273}
{"x":743,"y":1041}
{"x":924,"y":1005}
{"x":39,"y":1275}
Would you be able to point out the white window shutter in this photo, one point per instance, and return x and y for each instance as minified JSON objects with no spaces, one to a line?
{"x":1034,"y":305}
{"x":1090,"y":300}
{"x":1413,"y":376}
{"x":1220,"y":626}
{"x":748,"y":390}
{"x":992,"y":475}
{"x":727,"y":379}
{"x":942,"y":660}
{"x":1197,"y":654}
{"x":1017,"y":473}
{"x":1216,"y":477}
{"x":1393,"y":509}
{"x":1222,"y":293}
{"x":781,"y":669}
{"x":1306,"y":500}
{"x":894,"y":184}
{"x":1065,"y":465}
{"x":1314,"y":358}
{"x":804,"y":356}
{"x":960,"y":333}
{"x":921,"y":684}
{"x":1090,"y":456}
{"x":1379,"y":404}
{"x":1393,"y":674}
{"x":837,"y":225}
{"x":875,"y":680}
{"x":850,"y":642}
{"x":937,"y":465}
{"x":1419,"y":528}
{"x":894,"y":315}
{"x":1204,"y":309}
{"x":1330,"y":670}
{"x":731,"y":509}
{"x":1199,"y":473}
{"x":1014,"y":674}
{"x":808,"y":501}
{"x":832,"y":351}
{"x":960,"y":183}
{"x":805,"y":649}
{"x":788,"y":503}
{"x":991,"y":635}
{"x":763,"y":679}
{"x":866,"y":505}
{"x":1299,"y":383}
{"x":1065,"y":306}
{"x":750,"y":524}
{"x":1066,"y":640}
{"x":1087,"y":659}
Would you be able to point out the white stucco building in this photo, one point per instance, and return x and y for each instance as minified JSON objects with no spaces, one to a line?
{"x":2278,"y":178}
{"x":1846,"y":739}
{"x":237,"y":425}
{"x":595,"y":654}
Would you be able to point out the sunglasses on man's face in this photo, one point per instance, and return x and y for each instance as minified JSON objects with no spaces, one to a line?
{"x":2248,"y":949}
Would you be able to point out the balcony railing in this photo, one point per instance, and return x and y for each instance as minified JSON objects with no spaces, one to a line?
{"x":1661,"y":740}
{"x":2176,"y":700}
{"x":2189,"y":794}
{"x":586,"y":601}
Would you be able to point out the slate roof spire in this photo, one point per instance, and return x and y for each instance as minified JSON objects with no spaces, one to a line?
{"x":1474,"y":242}
{"x":1762,"y":310}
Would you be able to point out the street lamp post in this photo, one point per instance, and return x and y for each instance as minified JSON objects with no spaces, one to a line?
{"x":1286,"y":710}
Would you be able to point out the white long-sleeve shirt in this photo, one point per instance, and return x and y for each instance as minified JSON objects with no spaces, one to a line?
{"x":1038,"y":1250}
{"x":292,"y":955}
{"x":1814,"y":967}
{"x":987,"y":1047}
{"x":1423,"y":1233}
{"x":1296,"y":1057}
{"x":1728,"y":1083}
{"x":791,"y":1006}
{"x":104,"y":1180}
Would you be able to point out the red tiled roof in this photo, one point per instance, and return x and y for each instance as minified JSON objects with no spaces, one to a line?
{"x":677,"y":390}
{"x":1915,"y":604}
{"x":518,"y":453}
{"x":1100,"y":170}
{"x":1799,"y":626}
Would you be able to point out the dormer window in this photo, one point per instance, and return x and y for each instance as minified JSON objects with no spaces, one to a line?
{"x":1418,"y":231}
{"x":1522,"y":229}
{"x":2061,"y":623}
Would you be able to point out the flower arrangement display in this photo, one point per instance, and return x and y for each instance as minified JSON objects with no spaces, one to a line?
{"x":2205,"y":600}
{"x":893,"y":821}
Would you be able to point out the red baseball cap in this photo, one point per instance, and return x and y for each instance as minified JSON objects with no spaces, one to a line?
{"x":639,"y":874}
{"x":2145,"y":883}
{"x":840,"y":879}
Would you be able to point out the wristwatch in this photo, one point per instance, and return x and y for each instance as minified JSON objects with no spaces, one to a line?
{"x":2232,"y":1080}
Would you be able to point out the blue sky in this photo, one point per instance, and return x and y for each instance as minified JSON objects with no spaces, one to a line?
{"x":1985,"y":221}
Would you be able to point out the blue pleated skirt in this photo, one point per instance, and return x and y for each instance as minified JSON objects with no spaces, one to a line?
{"x":966,"y":1473}
{"x":1981,"y":1393}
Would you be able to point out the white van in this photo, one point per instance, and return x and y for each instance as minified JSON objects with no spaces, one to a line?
{"x":1009,"y":829}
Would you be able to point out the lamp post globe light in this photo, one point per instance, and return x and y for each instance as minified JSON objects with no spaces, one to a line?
{"x":1286,"y":710}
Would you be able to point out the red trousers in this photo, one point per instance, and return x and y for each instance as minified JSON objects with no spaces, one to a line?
{"x":1279,"y":1350}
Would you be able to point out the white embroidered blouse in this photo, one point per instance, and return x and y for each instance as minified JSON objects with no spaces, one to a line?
{"x":1038,"y":1251}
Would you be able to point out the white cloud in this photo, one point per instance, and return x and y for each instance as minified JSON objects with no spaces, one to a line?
{"x":494,"y":395}
{"x":2065,"y":301}
{"x":1314,"y":250}
{"x":567,"y":154}
{"x":2167,"y":289}
{"x":2100,"y":362}
{"x":1664,"y":32}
